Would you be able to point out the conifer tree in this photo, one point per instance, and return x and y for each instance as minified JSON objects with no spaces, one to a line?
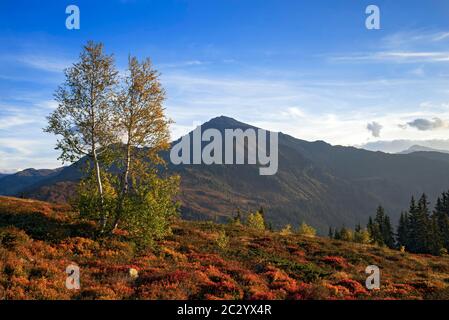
{"x":238,"y":217}
{"x":330,"y":233}
{"x":420,"y":236}
{"x":387,"y":232}
{"x":337,"y":235}
{"x":380,"y":230}
{"x":374,"y":227}
{"x":403,"y":230}
{"x":425,"y":226}
{"x":262,"y":213}
{"x":441,"y":218}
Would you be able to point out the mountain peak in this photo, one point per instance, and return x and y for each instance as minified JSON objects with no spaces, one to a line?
{"x":224,"y":122}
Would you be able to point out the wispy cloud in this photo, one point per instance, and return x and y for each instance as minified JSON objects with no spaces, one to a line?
{"x":49,"y":64}
{"x":396,"y":56}
{"x":415,"y":38}
{"x":332,"y":110}
{"x":416,"y":46}
{"x":182,"y":64}
{"x":14,"y":121}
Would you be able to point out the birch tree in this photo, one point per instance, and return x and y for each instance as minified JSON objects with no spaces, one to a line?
{"x":142,"y":123}
{"x":83,"y":119}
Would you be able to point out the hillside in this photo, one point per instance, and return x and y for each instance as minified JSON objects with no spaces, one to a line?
{"x":318,"y":183}
{"x":14,"y":184}
{"x":39,"y":240}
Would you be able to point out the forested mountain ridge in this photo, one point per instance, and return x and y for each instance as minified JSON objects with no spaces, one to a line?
{"x":318,"y":183}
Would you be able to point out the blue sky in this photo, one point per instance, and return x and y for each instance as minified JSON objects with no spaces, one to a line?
{"x":307,"y":68}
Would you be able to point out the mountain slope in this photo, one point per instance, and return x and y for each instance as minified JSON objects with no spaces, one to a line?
{"x":15,"y":183}
{"x":316,"y":182}
{"x":321,"y":184}
{"x":39,"y":240}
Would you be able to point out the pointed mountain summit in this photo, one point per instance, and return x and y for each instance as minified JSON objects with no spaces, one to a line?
{"x":224,"y":122}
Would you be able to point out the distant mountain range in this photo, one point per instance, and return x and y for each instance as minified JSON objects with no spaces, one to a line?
{"x":13,"y":184}
{"x":398,"y":146}
{"x":418,"y":148}
{"x":318,"y":183}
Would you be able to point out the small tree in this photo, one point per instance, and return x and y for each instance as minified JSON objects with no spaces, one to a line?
{"x":306,"y":230}
{"x":222,"y":240}
{"x":346,"y":234}
{"x":149,"y":209}
{"x":255,"y":221}
{"x":362,"y":236}
{"x":237,"y":219}
{"x":286,"y":231}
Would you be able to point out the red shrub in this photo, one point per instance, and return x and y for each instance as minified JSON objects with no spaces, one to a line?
{"x":336,"y":262}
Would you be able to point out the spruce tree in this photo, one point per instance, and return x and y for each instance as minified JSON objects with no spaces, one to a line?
{"x":403,"y":230}
{"x":330,"y":233}
{"x":387,"y":232}
{"x":380,"y":230}
{"x":375,"y":228}
{"x":441,"y":221}
{"x":426,"y":226}
{"x":412,"y":239}
{"x":420,"y":236}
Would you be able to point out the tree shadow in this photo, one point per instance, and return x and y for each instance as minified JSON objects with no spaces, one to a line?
{"x":42,"y":227}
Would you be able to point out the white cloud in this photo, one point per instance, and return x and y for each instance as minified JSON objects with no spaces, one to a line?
{"x":396,"y":56}
{"x":416,"y":46}
{"x":415,"y":38}
{"x":182,"y":64}
{"x":9,"y":122}
{"x":331,"y":110}
{"x":45,"y":63}
{"x":294,"y":112}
